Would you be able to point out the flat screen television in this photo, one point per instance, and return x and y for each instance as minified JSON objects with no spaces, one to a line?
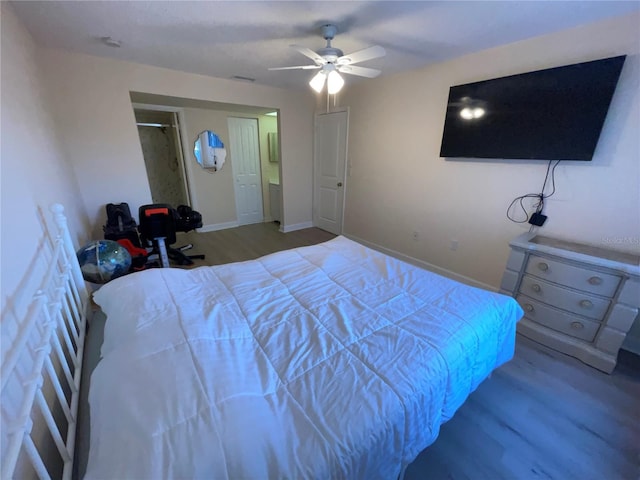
{"x":552,"y":114}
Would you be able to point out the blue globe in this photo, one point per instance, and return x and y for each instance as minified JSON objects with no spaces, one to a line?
{"x":103,"y":260}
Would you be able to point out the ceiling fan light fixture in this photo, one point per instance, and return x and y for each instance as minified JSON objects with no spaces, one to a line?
{"x":334,"y":82}
{"x":317,"y":82}
{"x":331,"y":61}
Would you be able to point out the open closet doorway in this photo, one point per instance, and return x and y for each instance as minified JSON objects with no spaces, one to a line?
{"x":159,"y":133}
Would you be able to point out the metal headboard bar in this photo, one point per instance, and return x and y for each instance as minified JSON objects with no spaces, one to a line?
{"x":24,"y":424}
{"x":58,"y":315}
{"x":18,"y":348}
{"x":61,"y":223}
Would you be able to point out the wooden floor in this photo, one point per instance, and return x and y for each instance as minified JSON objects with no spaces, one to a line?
{"x":542,"y":415}
{"x":247,"y":242}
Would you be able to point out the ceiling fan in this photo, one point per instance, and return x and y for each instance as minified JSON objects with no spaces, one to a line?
{"x":331,"y":61}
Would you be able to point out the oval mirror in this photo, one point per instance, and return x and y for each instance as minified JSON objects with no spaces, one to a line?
{"x":209,"y":151}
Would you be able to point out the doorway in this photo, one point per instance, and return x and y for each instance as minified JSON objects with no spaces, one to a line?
{"x":330,"y":154}
{"x":213,"y":194}
{"x":162,"y":151}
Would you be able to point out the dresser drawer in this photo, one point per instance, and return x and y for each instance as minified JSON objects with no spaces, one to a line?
{"x":558,"y":320}
{"x":577,"y":302}
{"x":604,"y":284}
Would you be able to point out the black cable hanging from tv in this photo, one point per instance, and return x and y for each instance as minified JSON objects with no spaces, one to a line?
{"x":539,"y":206}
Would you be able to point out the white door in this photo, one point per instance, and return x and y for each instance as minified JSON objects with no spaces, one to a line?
{"x":330,"y":154}
{"x":244,"y":151}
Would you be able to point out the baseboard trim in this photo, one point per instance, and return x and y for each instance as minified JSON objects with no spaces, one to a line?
{"x":421,"y":263}
{"x":217,"y":226}
{"x":295,"y":226}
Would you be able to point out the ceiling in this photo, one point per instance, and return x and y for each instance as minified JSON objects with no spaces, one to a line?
{"x":244,"y":38}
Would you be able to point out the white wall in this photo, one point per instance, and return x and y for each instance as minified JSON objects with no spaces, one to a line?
{"x":93,"y":109}
{"x":35,"y":170}
{"x":399,"y":184}
{"x":212,"y":193}
{"x":34,"y":173}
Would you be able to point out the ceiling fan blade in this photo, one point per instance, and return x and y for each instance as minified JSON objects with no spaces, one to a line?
{"x":298,"y":67}
{"x":360,"y":71}
{"x":307,"y":52}
{"x":362,"y":55}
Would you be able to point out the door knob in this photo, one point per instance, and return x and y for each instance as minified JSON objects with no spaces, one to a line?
{"x":339,"y":184}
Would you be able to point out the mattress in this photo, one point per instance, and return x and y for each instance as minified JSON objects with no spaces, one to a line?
{"x":328,"y":361}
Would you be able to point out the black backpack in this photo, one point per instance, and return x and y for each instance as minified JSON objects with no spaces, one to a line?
{"x":187,"y":219}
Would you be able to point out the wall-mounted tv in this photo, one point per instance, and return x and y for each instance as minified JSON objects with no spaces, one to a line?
{"x":552,"y":114}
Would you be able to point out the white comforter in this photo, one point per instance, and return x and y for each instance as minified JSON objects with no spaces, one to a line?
{"x":323,"y":362}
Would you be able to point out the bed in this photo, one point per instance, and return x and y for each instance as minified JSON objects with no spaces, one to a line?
{"x":328,"y":361}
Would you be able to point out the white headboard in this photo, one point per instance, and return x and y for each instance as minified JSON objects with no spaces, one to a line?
{"x":42,"y":368}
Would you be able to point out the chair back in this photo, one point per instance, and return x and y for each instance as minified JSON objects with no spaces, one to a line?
{"x":157,"y":221}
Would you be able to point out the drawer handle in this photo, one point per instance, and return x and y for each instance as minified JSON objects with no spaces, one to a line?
{"x":586,"y":304}
{"x":543,"y":266}
{"x":528,"y":307}
{"x":535,"y":287}
{"x":595,"y":281}
{"x":577,"y":325}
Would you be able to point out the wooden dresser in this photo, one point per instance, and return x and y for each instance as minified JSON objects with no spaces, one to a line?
{"x":577,"y":299}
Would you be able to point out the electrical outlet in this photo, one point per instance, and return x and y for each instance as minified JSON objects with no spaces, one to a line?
{"x":416,"y":236}
{"x":454,"y":244}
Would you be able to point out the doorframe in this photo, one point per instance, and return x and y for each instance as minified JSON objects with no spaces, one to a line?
{"x":234,"y":167}
{"x":184,"y":145}
{"x":347,"y":167}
